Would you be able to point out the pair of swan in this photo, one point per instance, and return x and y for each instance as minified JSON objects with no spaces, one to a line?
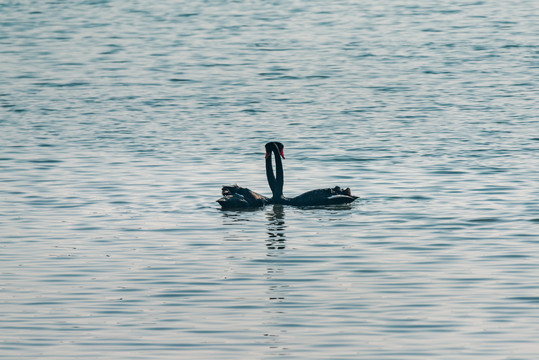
{"x":235,"y":196}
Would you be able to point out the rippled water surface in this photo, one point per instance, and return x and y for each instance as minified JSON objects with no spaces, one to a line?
{"x":120,"y":120}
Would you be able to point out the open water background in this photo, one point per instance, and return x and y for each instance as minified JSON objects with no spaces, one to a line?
{"x":120,"y":120}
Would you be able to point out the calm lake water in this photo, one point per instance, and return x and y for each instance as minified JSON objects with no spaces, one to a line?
{"x":120,"y":120}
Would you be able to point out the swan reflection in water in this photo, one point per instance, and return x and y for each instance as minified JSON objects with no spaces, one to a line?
{"x":278,"y":290}
{"x":277,"y":259}
{"x":276,"y":228}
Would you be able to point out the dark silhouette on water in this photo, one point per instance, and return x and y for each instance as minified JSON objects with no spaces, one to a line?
{"x":235,"y":196}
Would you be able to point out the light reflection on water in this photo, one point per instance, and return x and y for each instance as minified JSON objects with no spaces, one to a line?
{"x":121,"y":121}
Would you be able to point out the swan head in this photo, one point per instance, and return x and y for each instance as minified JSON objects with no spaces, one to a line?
{"x":274,"y":145}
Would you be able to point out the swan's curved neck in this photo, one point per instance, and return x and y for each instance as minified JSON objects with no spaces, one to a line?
{"x":276,"y":182}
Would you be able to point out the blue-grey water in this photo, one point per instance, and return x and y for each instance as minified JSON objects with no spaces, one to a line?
{"x":120,"y":120}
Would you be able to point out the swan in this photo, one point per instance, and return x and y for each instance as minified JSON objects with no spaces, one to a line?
{"x":235,"y":196}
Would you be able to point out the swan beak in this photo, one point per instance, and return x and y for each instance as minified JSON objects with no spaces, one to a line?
{"x":268,"y":153}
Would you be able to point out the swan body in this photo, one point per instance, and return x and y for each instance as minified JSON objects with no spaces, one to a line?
{"x":329,"y":196}
{"x":235,"y":196}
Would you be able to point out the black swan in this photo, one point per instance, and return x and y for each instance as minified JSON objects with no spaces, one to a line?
{"x":235,"y":196}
